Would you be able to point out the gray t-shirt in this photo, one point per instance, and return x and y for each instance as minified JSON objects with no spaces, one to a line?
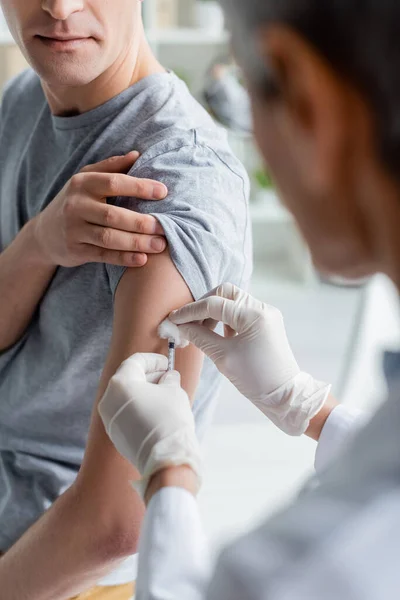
{"x":49,"y":379}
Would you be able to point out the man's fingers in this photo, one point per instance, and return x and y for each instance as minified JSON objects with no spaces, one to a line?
{"x":110,"y":185}
{"x":117,"y":217}
{"x":114,"y":239}
{"x":113,"y":257}
{"x":114,"y":164}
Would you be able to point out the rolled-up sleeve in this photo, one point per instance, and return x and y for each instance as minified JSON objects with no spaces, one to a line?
{"x":205,"y":215}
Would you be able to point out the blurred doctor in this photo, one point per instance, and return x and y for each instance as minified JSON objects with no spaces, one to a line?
{"x":324,"y":78}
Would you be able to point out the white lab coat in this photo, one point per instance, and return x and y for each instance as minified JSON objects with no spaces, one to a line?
{"x":332,"y":544}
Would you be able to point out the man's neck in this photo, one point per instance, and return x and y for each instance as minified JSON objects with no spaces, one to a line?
{"x":135,"y":65}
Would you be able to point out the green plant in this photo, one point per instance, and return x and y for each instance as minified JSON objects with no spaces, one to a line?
{"x":263,"y":179}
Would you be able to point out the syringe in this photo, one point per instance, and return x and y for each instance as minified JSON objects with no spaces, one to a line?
{"x":171,"y":354}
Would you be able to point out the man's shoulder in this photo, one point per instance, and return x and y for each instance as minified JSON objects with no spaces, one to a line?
{"x":205,"y":216}
{"x":168,"y":120}
{"x":22,"y":92}
{"x":198,"y":151}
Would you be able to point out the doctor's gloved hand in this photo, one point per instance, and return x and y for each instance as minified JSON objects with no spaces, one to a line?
{"x":254,"y":355}
{"x":148,"y":417}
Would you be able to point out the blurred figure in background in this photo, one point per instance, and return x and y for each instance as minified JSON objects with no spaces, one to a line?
{"x":324,"y":80}
{"x":228,"y":98}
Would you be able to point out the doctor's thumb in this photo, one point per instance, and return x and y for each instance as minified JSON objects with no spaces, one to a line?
{"x":171,"y":378}
{"x":203,"y":338}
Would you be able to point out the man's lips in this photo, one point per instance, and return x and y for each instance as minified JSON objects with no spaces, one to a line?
{"x":59,"y":42}
{"x":64,"y":38}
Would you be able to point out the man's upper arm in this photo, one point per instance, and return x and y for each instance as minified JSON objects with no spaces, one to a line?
{"x":143,"y":299}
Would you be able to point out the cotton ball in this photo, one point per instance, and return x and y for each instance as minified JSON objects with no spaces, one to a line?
{"x":169,"y":330}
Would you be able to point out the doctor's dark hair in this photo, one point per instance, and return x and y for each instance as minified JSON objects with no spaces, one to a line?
{"x":360,"y":38}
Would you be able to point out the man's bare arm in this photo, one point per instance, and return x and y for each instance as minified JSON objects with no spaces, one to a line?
{"x":96,"y":522}
{"x":77,"y":227}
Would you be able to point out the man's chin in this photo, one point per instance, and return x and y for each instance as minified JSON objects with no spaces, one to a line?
{"x":345,"y":275}
{"x":72,"y":69}
{"x":65,"y":75}
{"x":343,"y":267}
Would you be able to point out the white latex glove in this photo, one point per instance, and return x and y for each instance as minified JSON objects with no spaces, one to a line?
{"x":148,"y":417}
{"x":254,"y":354}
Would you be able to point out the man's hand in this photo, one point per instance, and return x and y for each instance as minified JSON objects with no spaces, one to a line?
{"x":79,"y":226}
{"x":148,"y":417}
{"x":255,"y":355}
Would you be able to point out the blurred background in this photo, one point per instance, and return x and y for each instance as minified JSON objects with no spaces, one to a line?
{"x":337,"y":331}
